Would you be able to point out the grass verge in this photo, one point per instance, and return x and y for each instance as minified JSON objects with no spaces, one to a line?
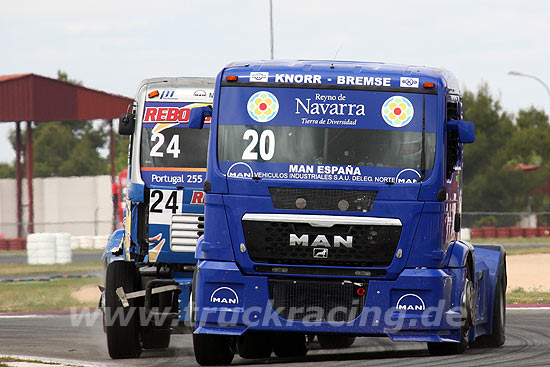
{"x":520,"y":295}
{"x":25,"y":269}
{"x":526,"y":251}
{"x":50,"y":295}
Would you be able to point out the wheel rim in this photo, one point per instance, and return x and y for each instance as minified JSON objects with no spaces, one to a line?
{"x":468,"y":302}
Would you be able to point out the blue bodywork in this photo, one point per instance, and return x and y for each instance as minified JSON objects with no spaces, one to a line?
{"x":428,"y":267}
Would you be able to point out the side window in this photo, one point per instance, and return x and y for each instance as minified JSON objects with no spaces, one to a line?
{"x":454,"y":112}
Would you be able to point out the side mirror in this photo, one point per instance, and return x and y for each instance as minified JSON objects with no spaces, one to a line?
{"x":198,"y":115}
{"x":126,"y":124}
{"x":465,"y":129}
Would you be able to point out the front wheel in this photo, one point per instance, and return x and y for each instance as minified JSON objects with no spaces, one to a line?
{"x":289,"y":345}
{"x":468,"y":318}
{"x":213,"y":350}
{"x":254,"y":345}
{"x":335,"y":341}
{"x":121,"y":323}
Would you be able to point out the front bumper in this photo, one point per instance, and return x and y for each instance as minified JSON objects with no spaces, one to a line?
{"x":420,"y":305}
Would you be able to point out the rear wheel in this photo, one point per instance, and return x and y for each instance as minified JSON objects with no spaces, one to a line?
{"x":213,"y":350}
{"x":468,"y":318}
{"x":497,"y":337}
{"x":121,"y":323}
{"x":290,"y":345}
{"x":254,"y":345}
{"x":335,"y":341}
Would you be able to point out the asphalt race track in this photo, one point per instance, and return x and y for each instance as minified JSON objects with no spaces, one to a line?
{"x":527,"y":344}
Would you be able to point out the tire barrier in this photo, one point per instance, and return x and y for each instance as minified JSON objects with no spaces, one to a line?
{"x":63,"y":251}
{"x":509,"y":232}
{"x":41,"y":249}
{"x":13,"y":244}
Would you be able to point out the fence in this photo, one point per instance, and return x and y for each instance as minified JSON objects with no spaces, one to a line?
{"x":507,"y":224}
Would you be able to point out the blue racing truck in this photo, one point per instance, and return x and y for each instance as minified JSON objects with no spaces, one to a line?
{"x":150,"y":263}
{"x":333,"y":207}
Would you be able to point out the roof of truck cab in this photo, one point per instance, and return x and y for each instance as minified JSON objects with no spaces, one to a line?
{"x":179,"y":82}
{"x":350,"y":68}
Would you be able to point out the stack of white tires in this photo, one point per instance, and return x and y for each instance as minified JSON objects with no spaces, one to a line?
{"x":41,"y":248}
{"x":63,"y":251}
{"x":49,"y":248}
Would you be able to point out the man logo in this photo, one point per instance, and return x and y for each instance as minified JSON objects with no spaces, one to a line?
{"x":408,"y":175}
{"x":410,"y":302}
{"x":199,"y":93}
{"x":224,"y":295}
{"x":321,"y":241}
{"x":240,"y":170}
{"x":320,"y":253}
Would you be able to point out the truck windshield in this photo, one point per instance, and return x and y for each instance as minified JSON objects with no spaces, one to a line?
{"x":328,"y":146}
{"x":178,"y":147}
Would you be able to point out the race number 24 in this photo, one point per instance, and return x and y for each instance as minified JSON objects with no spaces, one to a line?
{"x":163,"y":204}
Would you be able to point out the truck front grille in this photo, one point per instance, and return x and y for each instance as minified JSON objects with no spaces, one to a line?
{"x":325,"y":301}
{"x":271,"y":243}
{"x":185,"y":231}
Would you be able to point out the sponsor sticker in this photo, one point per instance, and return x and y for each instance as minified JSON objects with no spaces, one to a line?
{"x":263,"y":106}
{"x":405,"y":82}
{"x":397,"y":111}
{"x":259,"y":76}
{"x":168,"y":94}
{"x":197,"y":198}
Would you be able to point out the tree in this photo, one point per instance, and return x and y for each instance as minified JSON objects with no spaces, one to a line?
{"x":7,"y":170}
{"x":492,"y":180}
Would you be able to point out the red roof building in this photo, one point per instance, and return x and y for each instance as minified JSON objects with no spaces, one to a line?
{"x":35,"y":98}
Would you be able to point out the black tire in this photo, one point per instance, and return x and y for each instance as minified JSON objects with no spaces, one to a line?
{"x":289,"y":345}
{"x":449,"y":348}
{"x":497,"y":337}
{"x":335,"y":341}
{"x":255,"y":345}
{"x":122,"y":325}
{"x":213,"y":350}
{"x":155,"y":338}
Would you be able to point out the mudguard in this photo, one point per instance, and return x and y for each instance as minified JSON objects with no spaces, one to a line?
{"x":114,"y":251}
{"x":489,"y":260}
{"x":457,"y":254}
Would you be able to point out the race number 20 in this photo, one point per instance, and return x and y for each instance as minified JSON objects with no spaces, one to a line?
{"x":267,"y":145}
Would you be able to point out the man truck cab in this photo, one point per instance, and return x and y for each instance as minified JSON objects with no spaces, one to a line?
{"x":333,"y":209}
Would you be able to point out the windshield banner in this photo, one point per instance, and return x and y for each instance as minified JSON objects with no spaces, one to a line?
{"x":325,"y":108}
